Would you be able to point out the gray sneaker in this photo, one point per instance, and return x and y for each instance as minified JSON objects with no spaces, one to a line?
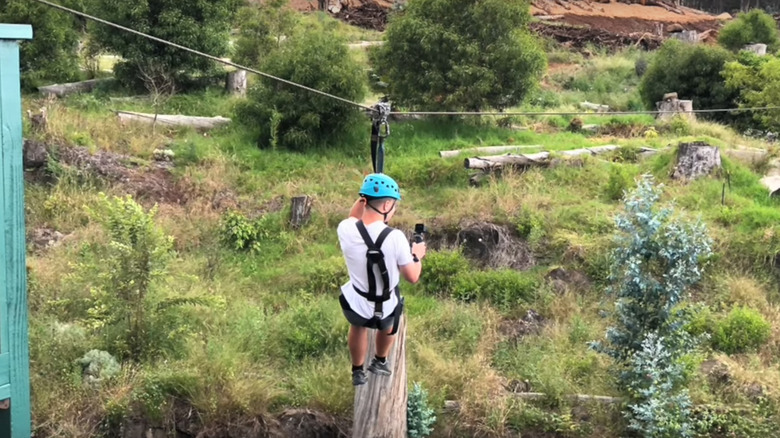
{"x":358,"y":377}
{"x":376,"y":367}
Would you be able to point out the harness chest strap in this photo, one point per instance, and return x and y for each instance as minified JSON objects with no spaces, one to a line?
{"x":374,"y":256}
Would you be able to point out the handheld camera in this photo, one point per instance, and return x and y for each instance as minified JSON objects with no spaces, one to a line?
{"x":420,"y":230}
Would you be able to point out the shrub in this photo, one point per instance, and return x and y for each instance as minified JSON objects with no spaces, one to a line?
{"x":743,"y":330}
{"x":52,"y":55}
{"x":693,"y":71}
{"x":308,"y":329}
{"x":503,"y":287}
{"x":757,"y":81}
{"x":419,"y":416}
{"x":441,"y":270}
{"x":619,"y":181}
{"x":753,"y":27}
{"x":262,"y":28}
{"x":202,"y":25}
{"x":98,"y":366}
{"x":126,"y":309}
{"x":240,"y":233}
{"x":460,"y":54}
{"x":298,"y":119}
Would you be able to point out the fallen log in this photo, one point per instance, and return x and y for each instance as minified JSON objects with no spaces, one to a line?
{"x":204,"y":123}
{"x":594,"y":106}
{"x":487,"y":150}
{"x":536,"y":159}
{"x":61,"y":90}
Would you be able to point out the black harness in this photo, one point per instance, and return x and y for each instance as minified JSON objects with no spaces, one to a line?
{"x":374,"y":256}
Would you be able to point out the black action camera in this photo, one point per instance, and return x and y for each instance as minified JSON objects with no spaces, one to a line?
{"x":420,"y":230}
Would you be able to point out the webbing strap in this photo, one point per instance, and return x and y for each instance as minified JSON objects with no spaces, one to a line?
{"x":374,"y":256}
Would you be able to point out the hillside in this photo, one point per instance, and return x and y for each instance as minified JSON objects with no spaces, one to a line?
{"x":171,"y":296}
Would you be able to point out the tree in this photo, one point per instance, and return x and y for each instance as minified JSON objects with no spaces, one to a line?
{"x":263,"y":28}
{"x":298,"y":119}
{"x":757,"y":80}
{"x":52,"y":54}
{"x":656,"y":260}
{"x":202,"y":25}
{"x":691,"y":70}
{"x":753,"y":27}
{"x":160,"y":85}
{"x":460,"y":54}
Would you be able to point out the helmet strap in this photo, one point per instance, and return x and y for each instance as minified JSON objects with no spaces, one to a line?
{"x":383,"y":213}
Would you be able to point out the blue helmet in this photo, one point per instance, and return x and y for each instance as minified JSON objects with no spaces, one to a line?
{"x":379,"y":185}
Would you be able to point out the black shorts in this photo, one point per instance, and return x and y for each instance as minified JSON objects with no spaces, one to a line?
{"x":359,"y":321}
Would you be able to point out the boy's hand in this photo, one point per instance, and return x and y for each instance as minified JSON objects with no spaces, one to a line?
{"x":419,"y":250}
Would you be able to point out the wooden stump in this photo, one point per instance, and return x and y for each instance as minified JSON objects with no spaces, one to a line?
{"x":236,"y":83}
{"x":695,"y":160}
{"x":687,"y":36}
{"x":758,"y":49}
{"x":300,"y":211}
{"x":380,"y":404}
{"x":671,"y":106}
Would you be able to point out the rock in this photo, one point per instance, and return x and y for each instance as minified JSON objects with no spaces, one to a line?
{"x":717,"y":372}
{"x":309,"y":423}
{"x":495,"y":246}
{"x":755,"y":391}
{"x":564,"y":280}
{"x":44,"y":238}
{"x":530,"y":324}
{"x":163,"y":155}
{"x":675,"y":27}
{"x":34,"y":154}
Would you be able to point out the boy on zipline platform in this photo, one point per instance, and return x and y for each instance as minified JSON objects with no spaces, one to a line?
{"x":376,"y":256}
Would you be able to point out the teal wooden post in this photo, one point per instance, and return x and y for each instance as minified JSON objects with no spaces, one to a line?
{"x":14,"y":347}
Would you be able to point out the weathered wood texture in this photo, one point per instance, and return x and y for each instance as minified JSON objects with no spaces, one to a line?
{"x":487,"y":150}
{"x":61,"y":90}
{"x":669,"y":108}
{"x":14,"y":349}
{"x":300,"y":211}
{"x":380,"y":404}
{"x":204,"y":123}
{"x":758,"y":49}
{"x":536,"y":159}
{"x":695,"y":160}
{"x":236,"y":83}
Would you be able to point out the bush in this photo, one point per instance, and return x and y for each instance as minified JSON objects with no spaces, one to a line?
{"x":504,"y":288}
{"x":203,"y":26}
{"x":619,"y":181}
{"x":441,"y":269}
{"x":757,"y":81}
{"x":240,"y":233}
{"x":753,"y":27}
{"x":743,"y":330}
{"x":693,"y":71}
{"x":419,"y":417}
{"x":298,"y":119}
{"x":460,"y":54}
{"x":308,"y":329}
{"x":263,"y":27}
{"x":52,"y":55}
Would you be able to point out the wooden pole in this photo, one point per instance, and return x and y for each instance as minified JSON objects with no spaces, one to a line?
{"x":14,"y":347}
{"x":380,"y":404}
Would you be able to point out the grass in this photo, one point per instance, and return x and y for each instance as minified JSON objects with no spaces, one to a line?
{"x":278,"y":339}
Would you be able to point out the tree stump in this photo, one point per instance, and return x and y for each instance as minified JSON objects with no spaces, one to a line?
{"x":758,"y":49}
{"x":695,"y":160}
{"x":671,"y":106}
{"x":687,"y":36}
{"x":300,"y":211}
{"x":380,"y":404}
{"x":236,"y":83}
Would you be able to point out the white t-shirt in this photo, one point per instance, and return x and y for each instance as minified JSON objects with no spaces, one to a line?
{"x":397,"y":253}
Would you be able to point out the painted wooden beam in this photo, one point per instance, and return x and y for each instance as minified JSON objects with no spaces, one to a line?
{"x":14,"y":347}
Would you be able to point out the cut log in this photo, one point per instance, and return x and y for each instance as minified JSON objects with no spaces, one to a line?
{"x":380,"y":404}
{"x":695,"y":160}
{"x":536,"y":159}
{"x":236,"y":83}
{"x":300,"y":211}
{"x":595,"y":107}
{"x":61,"y":90}
{"x":758,"y":49}
{"x":487,"y":150}
{"x":203,"y":123}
